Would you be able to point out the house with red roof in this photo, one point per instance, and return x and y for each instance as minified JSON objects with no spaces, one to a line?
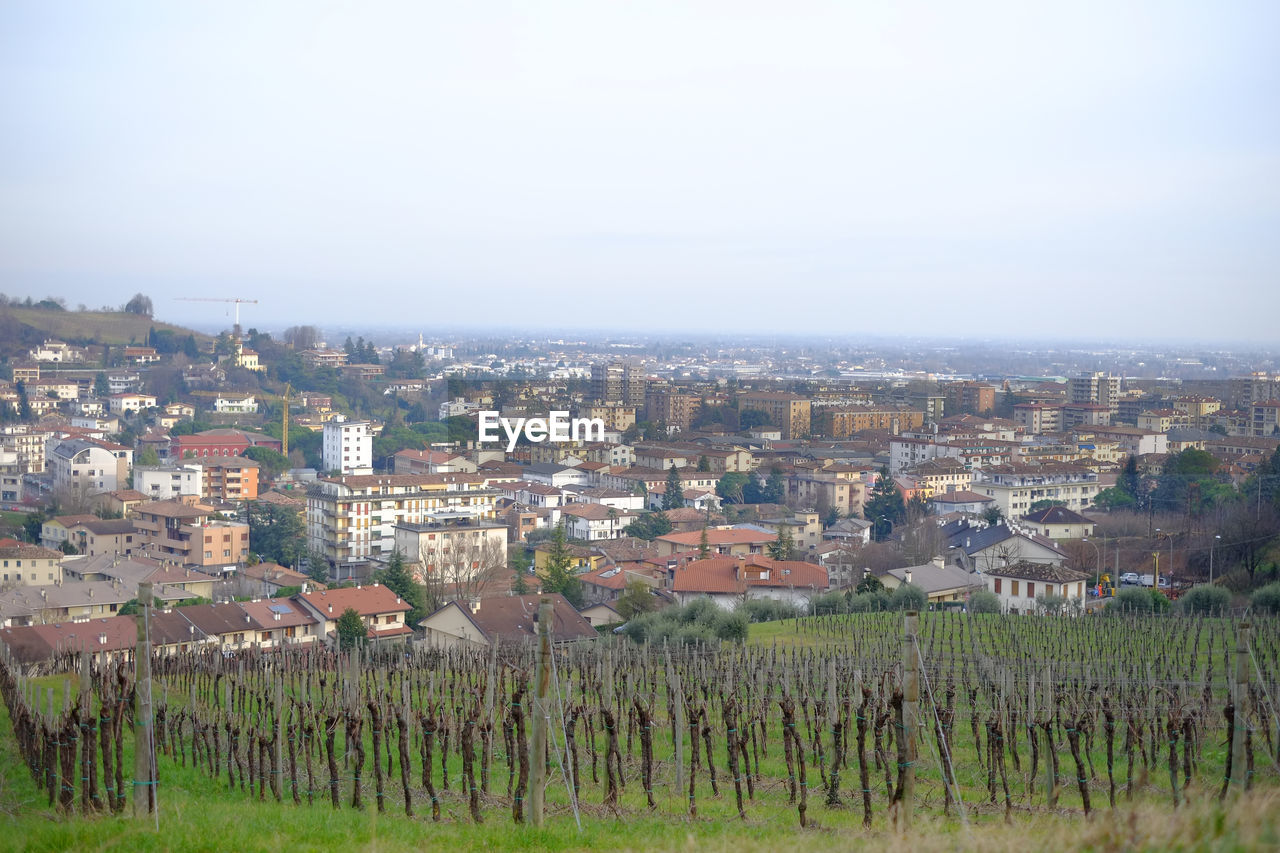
{"x":383,"y":611}
{"x":729,"y":580}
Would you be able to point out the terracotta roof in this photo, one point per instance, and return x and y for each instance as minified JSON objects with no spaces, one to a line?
{"x":732,"y":575}
{"x":34,"y":643}
{"x":366,"y":600}
{"x":721,"y":536}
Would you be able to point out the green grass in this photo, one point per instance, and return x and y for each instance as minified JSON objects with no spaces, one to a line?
{"x":100,"y":327}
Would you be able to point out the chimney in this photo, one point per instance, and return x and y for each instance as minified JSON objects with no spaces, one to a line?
{"x":907,"y":575}
{"x":475,"y":605}
{"x":330,"y":608}
{"x":939,"y":561}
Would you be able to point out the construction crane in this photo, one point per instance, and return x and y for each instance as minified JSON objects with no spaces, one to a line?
{"x":236,"y":300}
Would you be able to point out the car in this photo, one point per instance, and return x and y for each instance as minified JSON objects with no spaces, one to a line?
{"x":1130,"y":579}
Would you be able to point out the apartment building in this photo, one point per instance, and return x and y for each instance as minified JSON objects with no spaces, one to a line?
{"x":186,"y":534}
{"x":790,"y":413}
{"x":352,"y":519}
{"x":673,"y":408}
{"x":1015,"y":487}
{"x":348,"y":447}
{"x":840,"y":422}
{"x":1037,"y":418}
{"x":618,"y":382}
{"x":87,"y":466}
{"x":1100,"y":388}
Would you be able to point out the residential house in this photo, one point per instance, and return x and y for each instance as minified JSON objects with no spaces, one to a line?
{"x":969,"y":503}
{"x":735,"y":542}
{"x":1018,"y":584}
{"x":28,"y":565}
{"x":508,"y":620}
{"x":382,"y":611}
{"x":125,"y":402}
{"x":941,"y":582}
{"x":591,"y":522}
{"x":186,"y":534}
{"x":1015,"y":487}
{"x":87,"y":467}
{"x":1058,"y":523}
{"x":602,"y":614}
{"x":728,"y":580}
{"x":163,"y":483}
{"x":982,"y":548}
{"x":112,"y":637}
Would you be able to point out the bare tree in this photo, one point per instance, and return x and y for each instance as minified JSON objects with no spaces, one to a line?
{"x":139,"y":304}
{"x":461,"y":567}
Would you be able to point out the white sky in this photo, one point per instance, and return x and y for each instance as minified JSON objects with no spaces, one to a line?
{"x":953,"y":168}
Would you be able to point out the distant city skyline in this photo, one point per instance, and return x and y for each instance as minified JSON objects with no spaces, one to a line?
{"x":1087,"y":172}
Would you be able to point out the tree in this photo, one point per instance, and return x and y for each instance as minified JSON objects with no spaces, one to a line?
{"x":870,"y":583}
{"x":317,"y":567}
{"x":271,"y":463}
{"x":775,"y":487}
{"x":649,"y":527}
{"x":783,"y":547}
{"x":731,"y":485}
{"x":704,"y":464}
{"x":992,"y":515}
{"x":908,"y":596}
{"x":147,"y":458}
{"x":635,"y":600}
{"x":301,"y":337}
{"x":884,"y":505}
{"x":1045,"y":504}
{"x":277,"y":534}
{"x":673,"y":497}
{"x":559,"y":578}
{"x":33,"y":524}
{"x":752,"y":418}
{"x":984,"y":601}
{"x":101,"y":386}
{"x":460,"y":565}
{"x":351,"y":629}
{"x":139,"y":304}
{"x":397,"y":578}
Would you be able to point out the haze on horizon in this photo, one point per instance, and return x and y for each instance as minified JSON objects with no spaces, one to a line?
{"x":982,"y":169}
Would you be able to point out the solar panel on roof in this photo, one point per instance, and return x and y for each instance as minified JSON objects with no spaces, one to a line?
{"x":280,"y":608}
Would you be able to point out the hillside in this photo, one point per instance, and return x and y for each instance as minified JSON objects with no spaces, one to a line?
{"x":22,"y":327}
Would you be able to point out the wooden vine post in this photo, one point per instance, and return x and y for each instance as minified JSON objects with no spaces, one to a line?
{"x":144,"y":782}
{"x":910,"y":714}
{"x":538,"y":738}
{"x":1239,"y":696}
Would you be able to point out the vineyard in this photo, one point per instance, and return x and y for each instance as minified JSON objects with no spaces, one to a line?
{"x":853,"y":721}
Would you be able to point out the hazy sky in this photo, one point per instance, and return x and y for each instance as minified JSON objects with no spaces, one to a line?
{"x":959,"y":168}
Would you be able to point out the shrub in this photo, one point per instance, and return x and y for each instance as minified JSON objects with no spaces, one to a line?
{"x":831,"y":602}
{"x":690,"y":635}
{"x":869,"y":602}
{"x":1267,"y":599}
{"x":699,"y":610}
{"x":909,"y":597}
{"x":1131,"y":599}
{"x":1205,"y":601}
{"x":984,"y":601}
{"x":1160,"y":602}
{"x":1051,"y":604}
{"x":767,"y":610}
{"x":731,"y":627}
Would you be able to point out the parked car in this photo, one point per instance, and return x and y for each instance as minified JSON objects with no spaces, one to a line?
{"x":1130,"y":579}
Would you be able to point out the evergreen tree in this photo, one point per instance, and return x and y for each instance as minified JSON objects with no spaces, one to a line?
{"x":397,"y":578}
{"x":351,"y":629}
{"x":704,"y":545}
{"x":885,"y":507}
{"x":559,"y":578}
{"x":673,"y":498}
{"x":783,"y":548}
{"x":775,"y":488}
{"x":704,"y":464}
{"x":101,"y":387}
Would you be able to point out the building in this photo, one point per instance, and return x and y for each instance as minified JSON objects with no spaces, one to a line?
{"x":592,"y":522}
{"x":941,"y":475}
{"x":965,"y":502}
{"x":1016,"y":487}
{"x":973,"y":398}
{"x":218,"y":442}
{"x":381,"y":610}
{"x":1100,"y":388}
{"x":104,"y":536}
{"x":735,"y":542}
{"x":28,"y":446}
{"x":790,"y":413}
{"x":1058,"y":523}
{"x":941,"y":582}
{"x":228,"y":403}
{"x":231,"y":479}
{"x":509,"y":619}
{"x":729,"y":581}
{"x":169,"y":483}
{"x":674,"y":408}
{"x":454,"y":557}
{"x":616,"y":417}
{"x":348,"y":447}
{"x":125,"y":402}
{"x":22,"y":564}
{"x":87,"y":467}
{"x":1037,"y":418}
{"x":618,"y":382}
{"x":841,"y":422}
{"x":352,"y":519}
{"x":185,"y":534}
{"x":1018,"y":585}
{"x":1264,"y":418}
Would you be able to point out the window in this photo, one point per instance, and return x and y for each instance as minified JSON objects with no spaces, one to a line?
{"x":997,"y":583}
{"x":226,"y":552}
{"x":1031,"y":589}
{"x":208,"y":555}
{"x":1014,"y":590}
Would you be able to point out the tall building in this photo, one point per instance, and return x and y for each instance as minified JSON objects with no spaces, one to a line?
{"x":618,"y":382}
{"x":972,"y":398}
{"x":347,"y":447}
{"x":789,"y":412}
{"x":1101,"y":389}
{"x":673,"y":408}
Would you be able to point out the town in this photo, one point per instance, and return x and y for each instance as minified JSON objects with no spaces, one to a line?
{"x":265,"y":486}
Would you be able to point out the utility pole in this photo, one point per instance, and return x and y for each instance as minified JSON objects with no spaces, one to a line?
{"x":541,"y":715}
{"x":144,"y":779}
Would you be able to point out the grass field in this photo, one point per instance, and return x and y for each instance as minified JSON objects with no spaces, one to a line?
{"x":200,"y":812}
{"x":99,"y":327}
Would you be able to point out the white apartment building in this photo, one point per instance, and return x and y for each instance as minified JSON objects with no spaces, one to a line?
{"x":88,"y":468}
{"x":163,"y":483}
{"x":352,"y":519}
{"x":1016,"y":487}
{"x":348,"y":447}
